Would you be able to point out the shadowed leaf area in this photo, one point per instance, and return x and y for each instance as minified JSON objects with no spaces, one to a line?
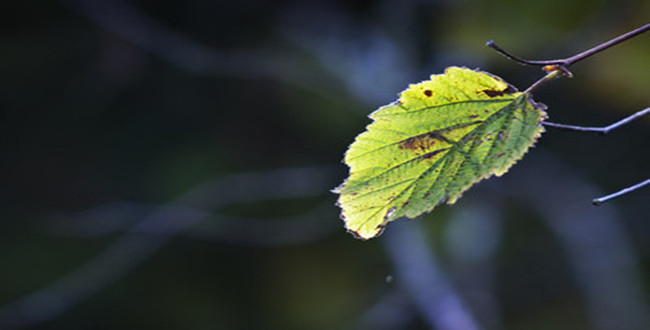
{"x":438,"y":139}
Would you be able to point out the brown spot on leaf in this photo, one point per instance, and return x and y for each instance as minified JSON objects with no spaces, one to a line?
{"x":422,"y":142}
{"x":405,"y":203}
{"x":495,"y":93}
{"x":426,"y":195}
{"x":492,"y":93}
{"x":473,"y":116}
{"x":428,"y":92}
{"x":500,"y":155}
{"x":426,"y":141}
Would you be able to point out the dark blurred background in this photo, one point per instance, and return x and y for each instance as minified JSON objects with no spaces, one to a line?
{"x":167,"y":165}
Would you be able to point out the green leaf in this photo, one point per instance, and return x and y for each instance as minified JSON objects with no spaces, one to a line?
{"x":438,"y":139}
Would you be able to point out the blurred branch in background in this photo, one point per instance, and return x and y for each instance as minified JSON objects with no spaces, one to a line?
{"x":146,"y":33}
{"x":603,"y":262}
{"x":117,"y":217}
{"x":417,"y":269}
{"x":143,"y":31}
{"x":351,"y":61}
{"x":370,"y":64}
{"x":153,"y":231}
{"x":134,"y":26}
{"x":472,"y":241}
{"x":468,"y":301}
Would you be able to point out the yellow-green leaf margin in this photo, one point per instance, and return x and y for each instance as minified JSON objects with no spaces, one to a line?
{"x":438,"y":139}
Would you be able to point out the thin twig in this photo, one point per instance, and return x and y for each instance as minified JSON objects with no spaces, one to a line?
{"x":600,"y":200}
{"x":559,"y":67}
{"x":601,"y":130}
{"x":566,"y":62}
{"x":549,"y":76}
{"x":604,"y":130}
{"x":605,"y":45}
{"x":517,"y":59}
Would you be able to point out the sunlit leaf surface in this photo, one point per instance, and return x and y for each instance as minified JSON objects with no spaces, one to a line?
{"x":439,"y":138}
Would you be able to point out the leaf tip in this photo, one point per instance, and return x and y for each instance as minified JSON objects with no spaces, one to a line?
{"x":358,"y":234}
